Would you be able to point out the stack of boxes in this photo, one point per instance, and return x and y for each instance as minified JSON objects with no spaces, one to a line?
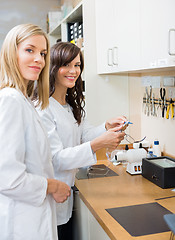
{"x":75,"y":33}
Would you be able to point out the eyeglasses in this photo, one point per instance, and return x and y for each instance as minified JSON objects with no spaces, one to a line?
{"x":97,"y":171}
{"x":131,"y":140}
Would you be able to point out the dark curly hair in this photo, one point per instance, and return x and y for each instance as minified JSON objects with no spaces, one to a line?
{"x":62,"y":53}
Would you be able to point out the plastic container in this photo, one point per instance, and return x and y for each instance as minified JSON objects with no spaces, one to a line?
{"x":132,"y":155}
{"x":156,"y":149}
{"x":150,"y":153}
{"x":145,"y":144}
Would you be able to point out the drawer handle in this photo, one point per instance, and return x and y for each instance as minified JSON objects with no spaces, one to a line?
{"x":115,"y":55}
{"x":171,"y":31}
{"x":109,"y":57}
{"x":154,"y":177}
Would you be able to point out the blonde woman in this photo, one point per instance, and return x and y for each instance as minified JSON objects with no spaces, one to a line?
{"x":28,"y":191}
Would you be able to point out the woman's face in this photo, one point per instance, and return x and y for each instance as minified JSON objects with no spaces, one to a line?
{"x":31,"y":57}
{"x":68,"y":74}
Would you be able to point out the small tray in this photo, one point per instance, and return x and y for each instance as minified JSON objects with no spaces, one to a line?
{"x":95,"y":171}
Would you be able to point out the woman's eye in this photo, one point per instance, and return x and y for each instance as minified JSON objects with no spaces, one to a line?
{"x":43,"y":54}
{"x":29,"y":50}
{"x":77,"y":65}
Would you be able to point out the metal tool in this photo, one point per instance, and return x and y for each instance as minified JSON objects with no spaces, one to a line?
{"x":170,"y":108}
{"x":158,"y":107}
{"x":163,"y":105}
{"x":148,"y":103}
{"x":153,"y":112}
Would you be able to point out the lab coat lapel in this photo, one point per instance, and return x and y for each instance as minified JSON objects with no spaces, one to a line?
{"x":32,"y":107}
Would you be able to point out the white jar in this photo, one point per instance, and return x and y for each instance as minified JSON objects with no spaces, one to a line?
{"x":156,"y":149}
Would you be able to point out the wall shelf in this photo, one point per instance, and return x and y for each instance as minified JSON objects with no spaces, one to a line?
{"x":74,"y":16}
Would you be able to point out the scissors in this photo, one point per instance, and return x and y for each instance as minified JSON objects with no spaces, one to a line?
{"x":162,"y":95}
{"x":170,"y":107}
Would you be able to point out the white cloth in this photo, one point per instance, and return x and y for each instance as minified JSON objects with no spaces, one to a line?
{"x":70,"y":147}
{"x":25,"y":164}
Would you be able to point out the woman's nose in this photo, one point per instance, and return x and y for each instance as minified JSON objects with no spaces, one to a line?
{"x":38,"y":58}
{"x":72,"y":70}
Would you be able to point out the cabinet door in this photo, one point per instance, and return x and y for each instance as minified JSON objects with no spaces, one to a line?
{"x":117,"y":35}
{"x":157,"y":33}
{"x":80,"y":219}
{"x":105,"y":34}
{"x":127,"y":32}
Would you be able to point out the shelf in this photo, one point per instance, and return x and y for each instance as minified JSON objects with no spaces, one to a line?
{"x":74,"y":16}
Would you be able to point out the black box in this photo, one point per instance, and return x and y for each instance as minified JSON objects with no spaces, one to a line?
{"x":159,"y":170}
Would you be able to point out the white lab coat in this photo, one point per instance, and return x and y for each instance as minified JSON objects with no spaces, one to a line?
{"x":70,"y":146}
{"x":26,"y":213}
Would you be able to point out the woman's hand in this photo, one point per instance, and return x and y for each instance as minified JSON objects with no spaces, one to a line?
{"x":110,"y":139}
{"x":59,"y":190}
{"x":115,"y":122}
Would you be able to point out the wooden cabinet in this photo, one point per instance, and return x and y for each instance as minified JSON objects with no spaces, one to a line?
{"x":117,"y":35}
{"x":157,"y":33}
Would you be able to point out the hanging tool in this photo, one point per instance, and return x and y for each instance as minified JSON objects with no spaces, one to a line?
{"x":170,"y":108}
{"x":163,"y":105}
{"x":158,"y":107}
{"x":153,"y":113}
{"x":148,"y":97}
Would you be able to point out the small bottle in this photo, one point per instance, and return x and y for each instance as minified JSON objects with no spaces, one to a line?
{"x":150,"y":153}
{"x":156,"y":149}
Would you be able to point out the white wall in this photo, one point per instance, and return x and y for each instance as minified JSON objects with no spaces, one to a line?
{"x":106,"y":96}
{"x":121,"y":95}
{"x":135,"y":106}
{"x":152,"y":127}
{"x":14,"y":12}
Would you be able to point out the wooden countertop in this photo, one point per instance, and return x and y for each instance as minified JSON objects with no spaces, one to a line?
{"x":118,"y":191}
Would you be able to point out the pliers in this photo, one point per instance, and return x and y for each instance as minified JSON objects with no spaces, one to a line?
{"x":162,"y":95}
{"x":170,"y":107}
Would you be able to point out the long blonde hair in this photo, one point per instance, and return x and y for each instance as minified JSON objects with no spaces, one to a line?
{"x":10,"y":75}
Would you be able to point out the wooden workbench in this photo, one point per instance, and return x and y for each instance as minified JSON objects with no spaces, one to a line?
{"x":99,"y":194}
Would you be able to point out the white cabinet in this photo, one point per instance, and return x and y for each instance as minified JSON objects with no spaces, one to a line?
{"x":130,"y":35}
{"x":96,"y":231}
{"x":157,"y":33}
{"x":117,"y":35}
{"x":105,"y":37}
{"x":134,"y":35}
{"x":85,"y":225}
{"x":80,"y":219}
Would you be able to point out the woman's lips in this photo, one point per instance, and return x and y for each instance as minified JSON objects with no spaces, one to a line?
{"x":35,"y":68}
{"x":71,"y":78}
